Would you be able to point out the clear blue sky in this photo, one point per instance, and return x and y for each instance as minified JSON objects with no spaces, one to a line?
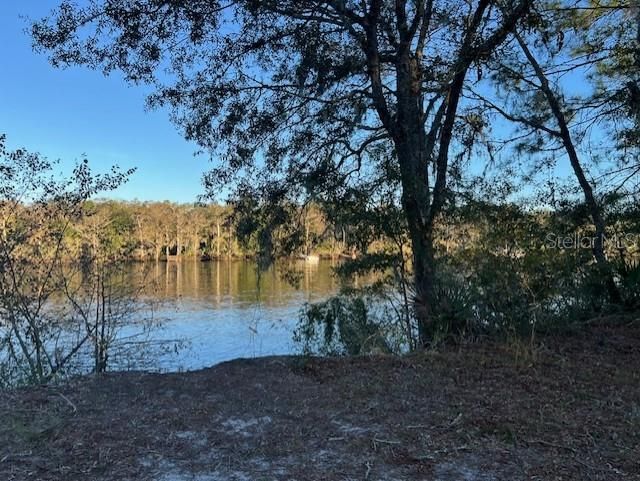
{"x":64,"y":114}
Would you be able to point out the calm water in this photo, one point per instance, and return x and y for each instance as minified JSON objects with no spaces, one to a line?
{"x":209,"y":312}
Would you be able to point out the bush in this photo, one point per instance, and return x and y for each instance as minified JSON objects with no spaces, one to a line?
{"x":352,"y":324}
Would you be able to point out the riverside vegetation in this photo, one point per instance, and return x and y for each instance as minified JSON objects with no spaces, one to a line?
{"x":480,"y":158}
{"x":397,"y":134}
{"x":505,"y":271}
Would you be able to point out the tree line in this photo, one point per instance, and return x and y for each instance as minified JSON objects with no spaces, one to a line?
{"x":408,"y":105}
{"x":505,"y":267}
{"x":458,"y":149}
{"x":160,"y":231}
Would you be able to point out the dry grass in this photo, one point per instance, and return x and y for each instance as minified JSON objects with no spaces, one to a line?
{"x":568,"y":410}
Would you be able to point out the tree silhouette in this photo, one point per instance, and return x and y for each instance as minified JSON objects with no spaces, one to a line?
{"x":300,"y":97}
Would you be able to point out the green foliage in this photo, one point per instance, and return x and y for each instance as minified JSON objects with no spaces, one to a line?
{"x":353,"y":129}
{"x":37,"y":211}
{"x":344,"y":324}
{"x":630,"y":281}
{"x":454,"y":314}
{"x":525,"y":271}
{"x":503,"y":271}
{"x":266,"y":224}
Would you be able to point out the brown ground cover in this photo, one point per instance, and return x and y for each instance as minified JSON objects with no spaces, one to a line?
{"x":567,"y":409}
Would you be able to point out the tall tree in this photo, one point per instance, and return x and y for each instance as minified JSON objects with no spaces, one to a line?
{"x":304,"y":90}
{"x":609,"y":37}
{"x":535,"y":100}
{"x":566,"y":80}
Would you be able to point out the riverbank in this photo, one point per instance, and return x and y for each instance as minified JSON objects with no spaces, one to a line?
{"x":568,"y":409}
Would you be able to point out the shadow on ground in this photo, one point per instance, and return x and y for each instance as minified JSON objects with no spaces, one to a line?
{"x":568,"y":409}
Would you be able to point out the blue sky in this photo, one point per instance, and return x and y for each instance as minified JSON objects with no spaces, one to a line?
{"x":65,"y":114}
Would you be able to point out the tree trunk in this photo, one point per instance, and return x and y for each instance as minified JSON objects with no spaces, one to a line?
{"x":595,"y":210}
{"x":178,"y":241}
{"x":415,"y":203}
{"x":166,"y":247}
{"x":196,"y":245}
{"x":306,"y":237}
{"x":218,"y":239}
{"x":157,"y":249}
{"x":413,"y":149}
{"x":415,"y":145}
{"x":141,"y":239}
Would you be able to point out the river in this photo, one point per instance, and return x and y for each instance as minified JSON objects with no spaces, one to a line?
{"x":208,"y":312}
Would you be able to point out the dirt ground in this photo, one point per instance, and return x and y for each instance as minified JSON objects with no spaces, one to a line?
{"x":567,"y":410}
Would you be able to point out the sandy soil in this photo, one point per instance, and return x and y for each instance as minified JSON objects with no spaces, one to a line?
{"x":567,"y":410}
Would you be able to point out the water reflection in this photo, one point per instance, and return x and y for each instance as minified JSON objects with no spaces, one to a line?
{"x":226,"y":309}
{"x":238,"y":282}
